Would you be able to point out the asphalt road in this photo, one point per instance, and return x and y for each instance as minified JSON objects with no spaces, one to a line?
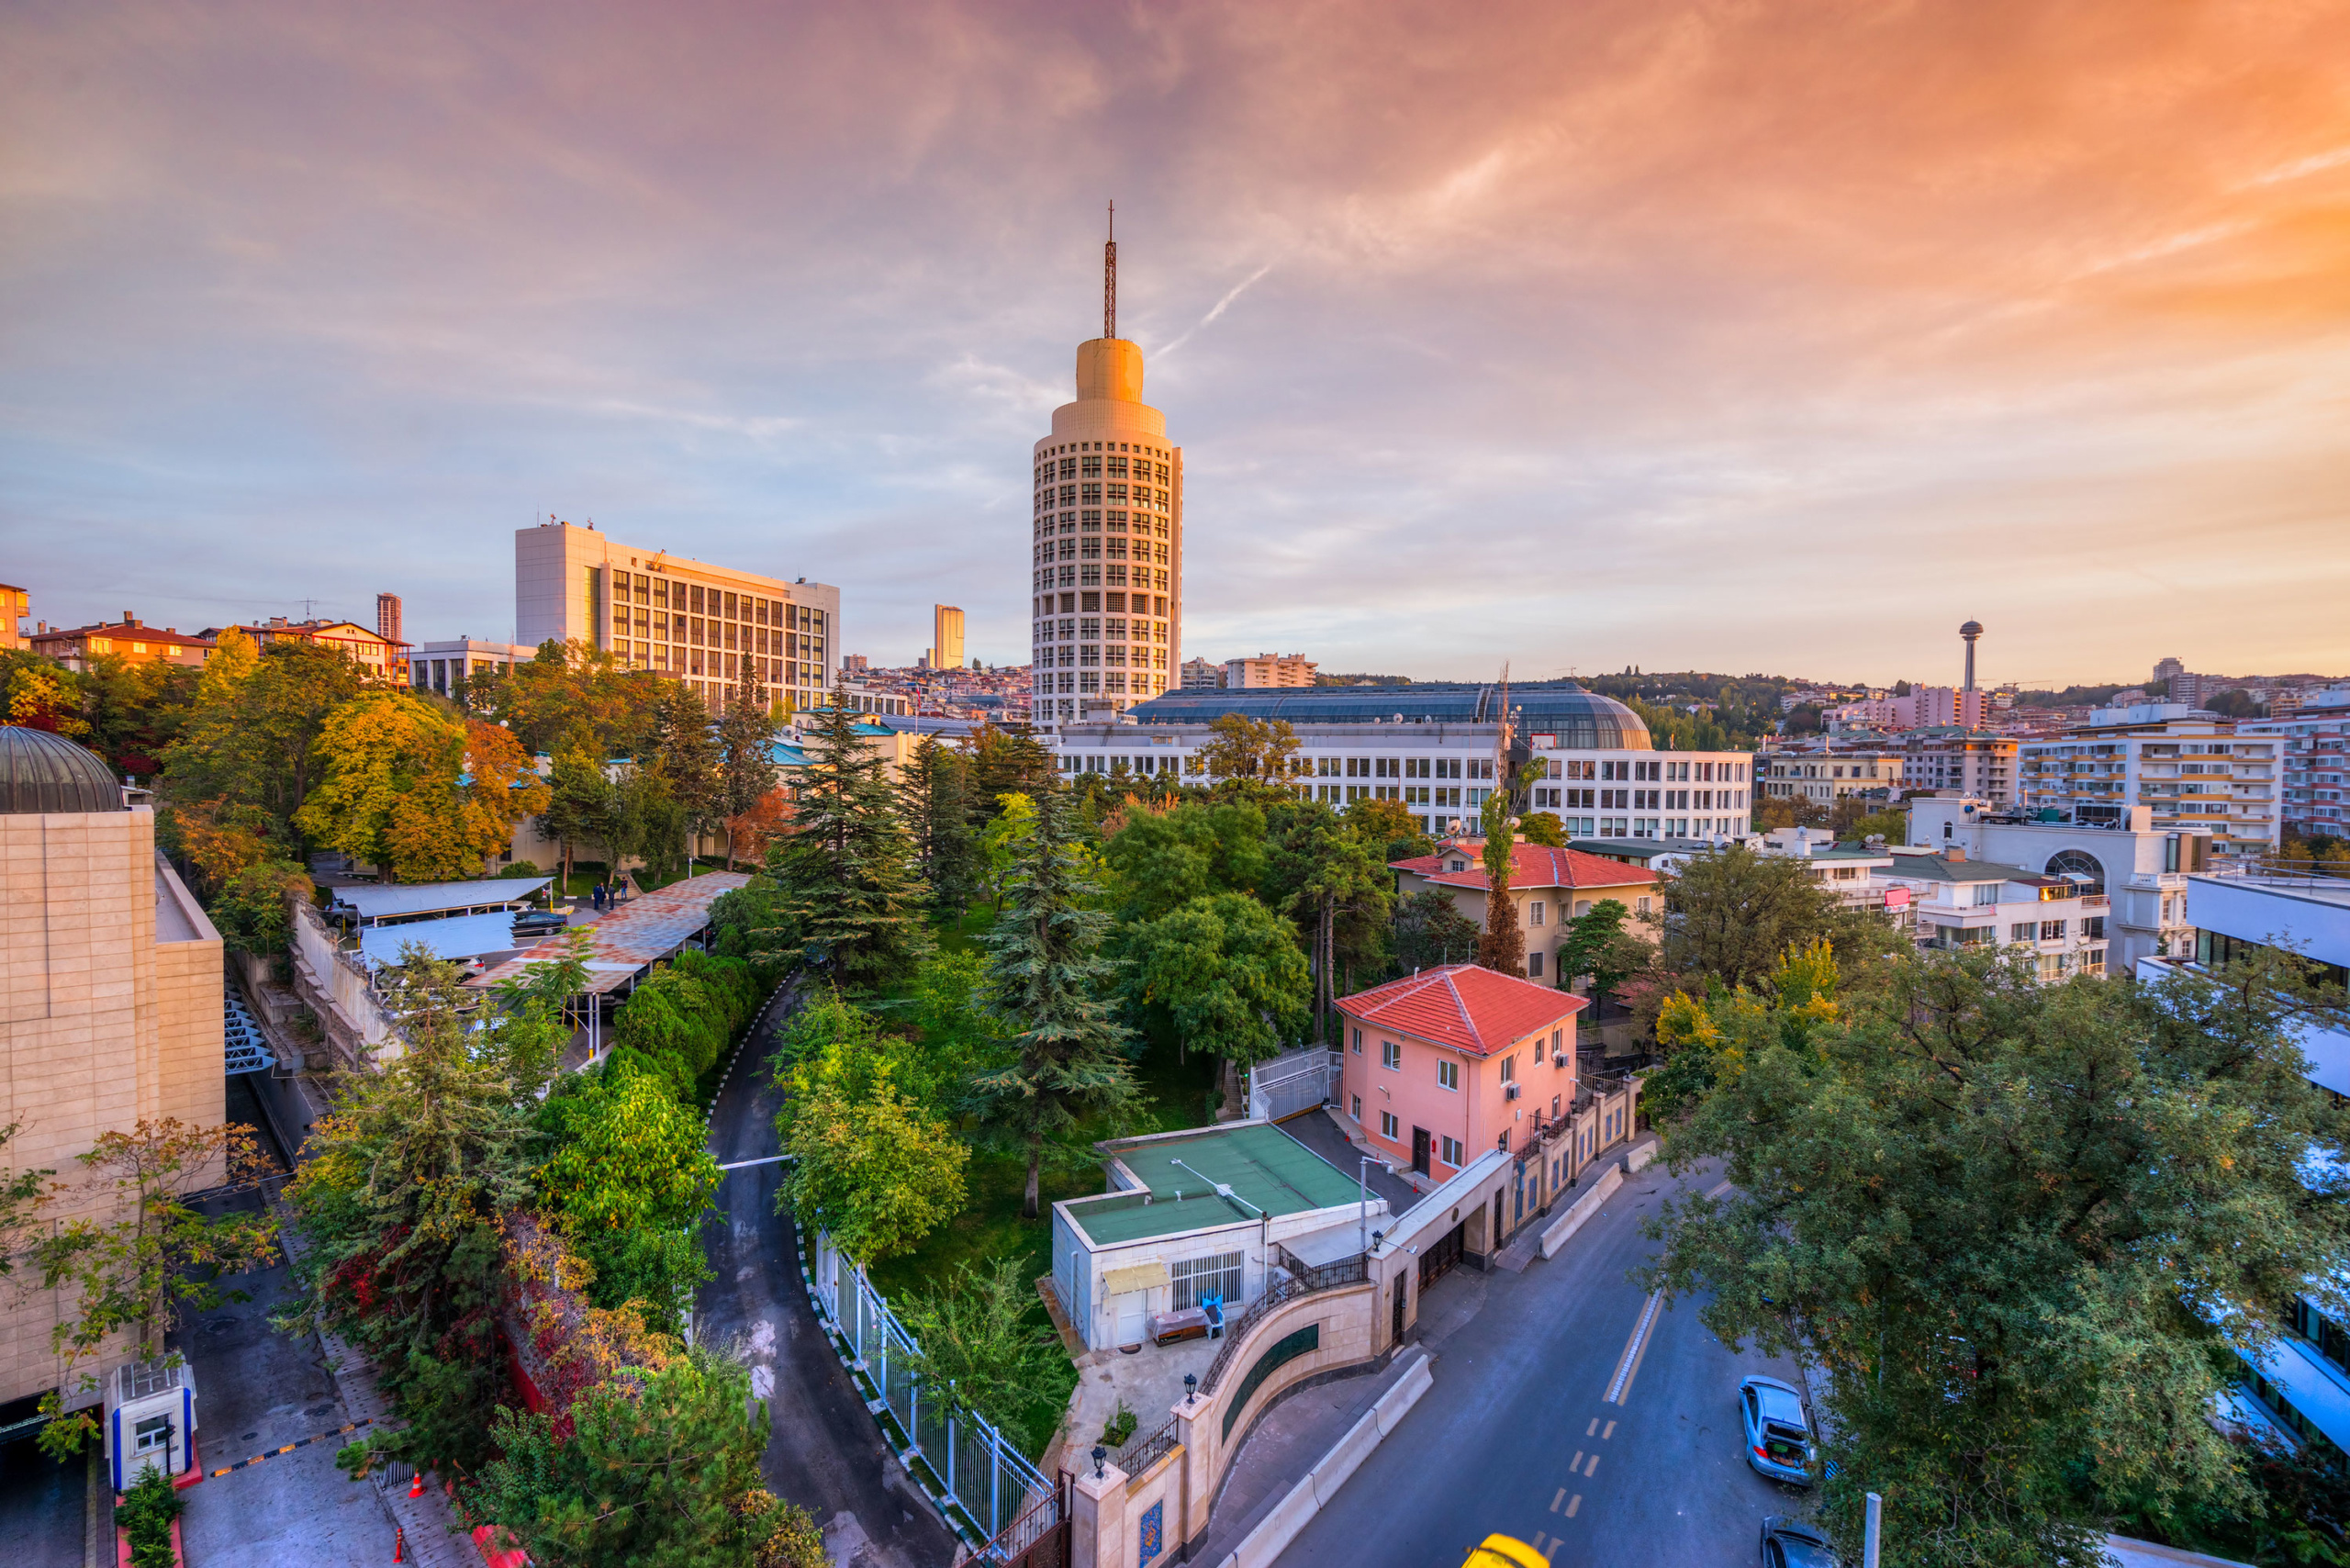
{"x":1518,"y":1433}
{"x":824,"y":1451}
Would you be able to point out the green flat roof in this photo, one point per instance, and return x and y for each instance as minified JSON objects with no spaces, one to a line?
{"x":1264,"y":1167}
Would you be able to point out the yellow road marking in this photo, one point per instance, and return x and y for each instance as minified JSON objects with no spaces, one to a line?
{"x":1608,"y":1433}
{"x":1624,"y":1394}
{"x":1558,"y":1499}
{"x":1594,"y":1427}
{"x":1572,"y":1504}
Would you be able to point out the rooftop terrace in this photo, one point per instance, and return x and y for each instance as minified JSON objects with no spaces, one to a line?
{"x":1268,"y":1172}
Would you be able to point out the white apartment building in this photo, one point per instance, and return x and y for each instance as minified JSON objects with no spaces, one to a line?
{"x":2298,"y":1391}
{"x":439,"y":667}
{"x":1432,"y":747}
{"x":1856,"y":878}
{"x":1969,"y":762}
{"x":685,"y":619}
{"x":2136,"y":871}
{"x":1269,"y":669}
{"x":1201,"y":675}
{"x":2315,"y":760}
{"x":1831,"y":774}
{"x":1964,"y":902}
{"x":1106,"y":542}
{"x":2193,"y":772}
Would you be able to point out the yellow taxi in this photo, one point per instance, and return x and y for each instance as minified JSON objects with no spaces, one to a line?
{"x":1505,"y":1552}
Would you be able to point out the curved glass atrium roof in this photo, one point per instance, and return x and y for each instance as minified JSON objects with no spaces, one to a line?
{"x":1580,"y":720}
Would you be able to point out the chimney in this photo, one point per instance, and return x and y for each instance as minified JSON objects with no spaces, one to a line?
{"x":128,"y":619}
{"x":1954,"y":852}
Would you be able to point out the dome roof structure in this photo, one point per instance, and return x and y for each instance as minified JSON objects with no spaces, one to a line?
{"x":44,"y":772}
{"x":1576,"y":719}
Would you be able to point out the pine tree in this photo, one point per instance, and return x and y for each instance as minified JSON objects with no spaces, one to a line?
{"x":1502,"y":945}
{"x":935,"y":797}
{"x":745,"y":754}
{"x":1047,"y":970}
{"x":686,"y":753}
{"x":845,"y":870}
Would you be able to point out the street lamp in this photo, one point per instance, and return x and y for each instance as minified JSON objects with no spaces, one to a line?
{"x":1191,"y":1387}
{"x":1100,"y":1454}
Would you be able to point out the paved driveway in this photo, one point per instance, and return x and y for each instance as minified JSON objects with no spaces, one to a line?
{"x":826,"y":1452}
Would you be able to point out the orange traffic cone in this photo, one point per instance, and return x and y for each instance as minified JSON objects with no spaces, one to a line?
{"x":416,"y":1488}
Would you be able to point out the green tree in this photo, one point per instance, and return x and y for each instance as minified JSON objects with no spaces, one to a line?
{"x":1598,"y":944}
{"x":1340,"y":885}
{"x":868,"y":1164}
{"x":254,"y":913}
{"x":1730,"y":913}
{"x":1430,"y":931}
{"x":747,"y":749}
{"x":2023,"y":1227}
{"x":574,"y":697}
{"x":1391,"y":831}
{"x":1049,"y":977}
{"x":984,"y":1336}
{"x":146,"y":1257}
{"x":406,"y":1181}
{"x":1161,"y":859}
{"x":1502,"y":945}
{"x":1228,"y":973}
{"x":686,"y":750}
{"x":657,"y":1466}
{"x":843,"y":870}
{"x":1259,"y":751}
{"x":1003,"y":845}
{"x":628,"y":1180}
{"x":579,"y":796}
{"x":1543,"y":828}
{"x":931,"y":795}
{"x":1006,"y":759}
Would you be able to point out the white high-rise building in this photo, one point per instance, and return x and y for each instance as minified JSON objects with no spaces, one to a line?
{"x":1106,"y":554}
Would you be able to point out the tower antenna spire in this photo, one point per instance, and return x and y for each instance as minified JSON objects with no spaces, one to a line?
{"x":1110,"y":278}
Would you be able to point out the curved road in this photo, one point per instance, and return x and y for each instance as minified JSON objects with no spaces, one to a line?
{"x":1519,"y":1434}
{"x":823,"y":1450}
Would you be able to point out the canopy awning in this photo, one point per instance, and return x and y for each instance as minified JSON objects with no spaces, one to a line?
{"x":460,"y":936}
{"x":1148,"y":1276}
{"x":371,"y":903}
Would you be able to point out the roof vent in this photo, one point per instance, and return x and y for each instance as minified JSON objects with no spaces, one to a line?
{"x":1954,"y":852}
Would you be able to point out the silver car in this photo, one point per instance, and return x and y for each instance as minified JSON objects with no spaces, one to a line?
{"x":1778,"y":1434}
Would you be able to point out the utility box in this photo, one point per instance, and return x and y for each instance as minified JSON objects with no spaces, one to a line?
{"x":150,"y":1420}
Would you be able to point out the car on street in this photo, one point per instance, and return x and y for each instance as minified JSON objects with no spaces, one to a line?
{"x":1505,"y":1552}
{"x":1791,"y":1543}
{"x":1778,"y":1433}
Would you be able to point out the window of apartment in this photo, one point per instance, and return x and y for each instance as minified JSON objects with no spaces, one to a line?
{"x":1387,"y":1127}
{"x":1451,"y":1152}
{"x":1391,"y":1055}
{"x":1983,"y":893}
{"x":2022,"y":930}
{"x":1509,"y":1069}
{"x":1357,"y":1042}
{"x":1217,"y":1275}
{"x":2093,"y":928}
{"x":2052,"y":931}
{"x":1533,"y":912}
{"x":1447,"y":1073}
{"x":1534,"y":964}
{"x":1643,"y":908}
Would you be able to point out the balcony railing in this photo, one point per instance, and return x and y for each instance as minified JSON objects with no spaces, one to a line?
{"x":1303,"y":1279}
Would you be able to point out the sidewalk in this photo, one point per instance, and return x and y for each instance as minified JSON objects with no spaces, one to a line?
{"x":1287,"y":1444}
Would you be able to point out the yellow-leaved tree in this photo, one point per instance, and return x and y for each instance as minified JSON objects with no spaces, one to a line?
{"x":410,"y":788}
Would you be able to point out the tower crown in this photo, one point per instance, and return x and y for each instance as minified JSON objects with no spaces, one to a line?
{"x":1109,"y":368}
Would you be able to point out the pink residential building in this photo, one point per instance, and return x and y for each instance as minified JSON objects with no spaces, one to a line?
{"x":1453,"y":1062}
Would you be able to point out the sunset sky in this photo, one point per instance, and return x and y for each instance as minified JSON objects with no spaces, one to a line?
{"x":1746,"y":337}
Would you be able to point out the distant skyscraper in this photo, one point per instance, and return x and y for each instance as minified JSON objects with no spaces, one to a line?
{"x":946,"y":637}
{"x":387,"y":617}
{"x":1107,"y":537}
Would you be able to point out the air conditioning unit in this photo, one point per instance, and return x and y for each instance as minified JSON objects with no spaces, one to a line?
{"x":1510,"y":1092}
{"x":1557,"y":1059}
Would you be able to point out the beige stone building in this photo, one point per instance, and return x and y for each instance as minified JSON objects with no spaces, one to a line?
{"x":110,"y":997}
{"x":685,"y":619}
{"x":80,"y":647}
{"x":1269,"y":669}
{"x":1106,"y":538}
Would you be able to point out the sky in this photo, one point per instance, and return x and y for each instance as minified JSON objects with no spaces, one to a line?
{"x":1726,"y":335}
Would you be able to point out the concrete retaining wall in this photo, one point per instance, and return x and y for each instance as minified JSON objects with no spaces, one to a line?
{"x":1581,"y":1210}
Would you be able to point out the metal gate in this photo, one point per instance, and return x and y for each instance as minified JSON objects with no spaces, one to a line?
{"x":1441,"y":1255}
{"x":1038,"y":1537}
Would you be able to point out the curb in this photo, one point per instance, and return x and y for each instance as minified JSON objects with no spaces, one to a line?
{"x":1273,"y":1533}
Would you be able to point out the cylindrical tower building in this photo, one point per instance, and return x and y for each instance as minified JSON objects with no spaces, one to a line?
{"x":1107,"y":540}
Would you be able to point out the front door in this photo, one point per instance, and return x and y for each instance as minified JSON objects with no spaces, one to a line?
{"x":1127,"y":1313}
{"x":1420,"y":1150}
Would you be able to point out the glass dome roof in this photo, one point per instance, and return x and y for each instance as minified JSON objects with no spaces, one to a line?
{"x":1582,"y":720}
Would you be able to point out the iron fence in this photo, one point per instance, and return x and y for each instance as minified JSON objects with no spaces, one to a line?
{"x":1144,"y":1449}
{"x":978,"y":1473}
{"x":1301,"y":1281}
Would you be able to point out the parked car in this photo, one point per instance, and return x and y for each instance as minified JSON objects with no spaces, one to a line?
{"x":1778,"y":1434}
{"x":538,"y":922}
{"x":1791,"y":1543}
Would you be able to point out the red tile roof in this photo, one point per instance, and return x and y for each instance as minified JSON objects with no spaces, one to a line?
{"x":1532,"y":867}
{"x":1460,"y":1005}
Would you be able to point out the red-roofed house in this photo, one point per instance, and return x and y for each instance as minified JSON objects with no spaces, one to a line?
{"x":1548,"y":886}
{"x":1450,"y":1062}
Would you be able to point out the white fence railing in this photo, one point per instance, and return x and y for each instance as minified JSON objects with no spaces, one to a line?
{"x":981,"y":1475}
{"x":1297,"y":1081}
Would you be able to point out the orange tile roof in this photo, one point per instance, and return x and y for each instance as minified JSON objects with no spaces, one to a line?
{"x":1469,"y":1009}
{"x":1532,"y":866}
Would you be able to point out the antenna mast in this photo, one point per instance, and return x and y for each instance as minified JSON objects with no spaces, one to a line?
{"x":1110,"y":278}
